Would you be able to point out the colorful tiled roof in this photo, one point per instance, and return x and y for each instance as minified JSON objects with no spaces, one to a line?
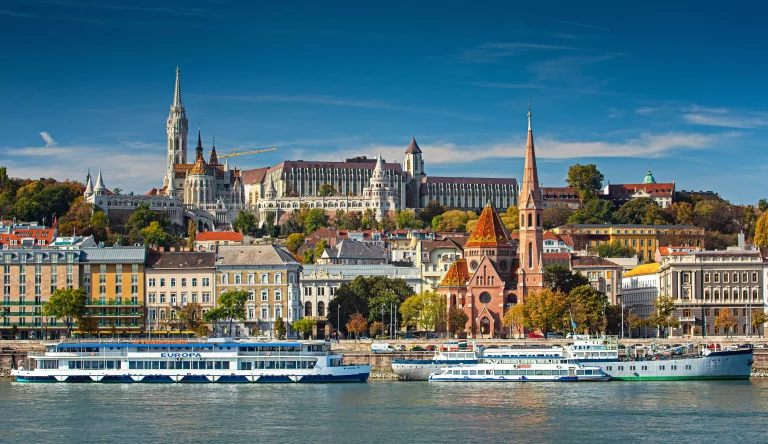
{"x":199,"y":167}
{"x":457,"y":275}
{"x":489,"y":231}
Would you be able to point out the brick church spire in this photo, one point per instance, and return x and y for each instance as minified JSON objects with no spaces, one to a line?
{"x":531,"y":208}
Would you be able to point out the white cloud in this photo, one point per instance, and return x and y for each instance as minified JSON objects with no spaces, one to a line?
{"x":494,"y":52}
{"x":722,"y":120}
{"x":49,"y":142}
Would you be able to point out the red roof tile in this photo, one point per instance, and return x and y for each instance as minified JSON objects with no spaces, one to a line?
{"x":208,"y":236}
{"x":489,"y":231}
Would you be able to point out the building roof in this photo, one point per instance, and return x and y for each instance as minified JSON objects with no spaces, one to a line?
{"x":457,"y":276}
{"x":649,"y":178}
{"x":198,"y":167}
{"x":114,"y":255}
{"x":654,"y":189}
{"x":413,"y":148}
{"x":470,"y":180}
{"x":560,"y":193}
{"x":643,"y":269}
{"x":489,"y":231}
{"x":180,"y":259}
{"x":254,"y":255}
{"x":208,"y":236}
{"x":592,"y":261}
{"x":351,"y":249}
{"x":676,"y":250}
{"x":622,"y":226}
{"x":456,"y":242}
{"x":362,"y":163}
{"x":354,"y":270}
{"x":250,"y":177}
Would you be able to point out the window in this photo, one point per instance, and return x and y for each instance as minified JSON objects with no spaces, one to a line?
{"x":264,"y":279}
{"x":735,"y":278}
{"x":173,"y":299}
{"x":183,"y":299}
{"x":194,"y":282}
{"x":224,"y":279}
{"x":264,"y":295}
{"x":206,"y":298}
{"x":102,"y":268}
{"x":265,"y":312}
{"x":250,"y":279}
{"x":151,"y":282}
{"x":206,"y":282}
{"x":725,"y":277}
{"x":102,"y":289}
{"x":134,"y":268}
{"x":194,"y":297}
{"x":238,"y":279}
{"x":686,"y":312}
{"x":173,"y":282}
{"x":183,"y":282}
{"x":278,"y":295}
{"x":162,"y":298}
{"x":251,"y":296}
{"x":754,"y":276}
{"x":716,"y":277}
{"x":152,"y":298}
{"x":162,"y":282}
{"x":706,"y":278}
{"x":278,"y":278}
{"x":744,"y":277}
{"x":118,"y":289}
{"x":321,"y":291}
{"x":307,"y":291}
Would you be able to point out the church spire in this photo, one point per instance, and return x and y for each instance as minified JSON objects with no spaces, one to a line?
{"x":530,"y":173}
{"x":199,"y":147}
{"x":177,"y":91}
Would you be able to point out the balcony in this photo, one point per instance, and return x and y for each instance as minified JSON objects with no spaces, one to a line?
{"x":112,"y":302}
{"x":687,"y":318}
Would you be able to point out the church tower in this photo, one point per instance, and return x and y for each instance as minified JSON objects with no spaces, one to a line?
{"x":413,"y":166}
{"x":177,"y":128}
{"x":531,"y":270}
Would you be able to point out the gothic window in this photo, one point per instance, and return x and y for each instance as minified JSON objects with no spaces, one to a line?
{"x":530,"y":255}
{"x":485,"y":297}
{"x":522,"y":220}
{"x":321,"y":308}
{"x":530,"y":220}
{"x":538,"y":220}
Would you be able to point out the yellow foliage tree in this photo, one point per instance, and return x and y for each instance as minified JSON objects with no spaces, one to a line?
{"x":761,"y":231}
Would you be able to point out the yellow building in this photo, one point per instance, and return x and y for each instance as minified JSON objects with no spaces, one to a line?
{"x":113,"y":280}
{"x":270,"y":275}
{"x":644,"y":239}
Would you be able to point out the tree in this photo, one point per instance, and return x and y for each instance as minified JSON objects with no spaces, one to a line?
{"x":88,"y":325}
{"x":455,"y":220}
{"x":141,"y":218}
{"x":117,"y":190}
{"x":762,"y":204}
{"x":357,"y":324}
{"x":432,"y":210}
{"x":681,"y":213}
{"x":67,"y":304}
{"x":643,"y":210}
{"x":663,"y":317}
{"x":457,"y":321}
{"x":376,"y":328}
{"x":761,"y":231}
{"x":556,"y":215}
{"x":388,"y":223}
{"x":309,"y":257}
{"x":99,"y":219}
{"x":155,"y":234}
{"x":423,"y":309}
{"x":368,"y":295}
{"x":303,"y":326}
{"x":545,"y":309}
{"x":715,"y":240}
{"x":613,"y":249}
{"x":327,"y":190}
{"x":279,"y":327}
{"x":191,"y":235}
{"x":245,"y":222}
{"x":213,"y":316}
{"x":587,"y":180}
{"x":232,"y":304}
{"x":294,"y":242}
{"x":191,"y":316}
{"x":176,"y":321}
{"x":595,"y":211}
{"x":587,"y":306}
{"x":315,"y":219}
{"x":293,"y":224}
{"x":725,"y":320}
{"x":407,"y":219}
{"x":713,"y":215}
{"x":561,"y":278}
{"x":515,"y":319}
{"x":759,"y":317}
{"x":320,"y":247}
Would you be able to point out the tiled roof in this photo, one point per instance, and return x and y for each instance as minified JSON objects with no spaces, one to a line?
{"x":592,"y":261}
{"x":470,"y":180}
{"x":560,"y":192}
{"x":180,"y":259}
{"x":457,"y":275}
{"x":489,"y":231}
{"x":208,"y":236}
{"x":350,"y":249}
{"x":622,"y":226}
{"x":254,"y":176}
{"x":114,"y":255}
{"x":640,"y":270}
{"x":199,"y":167}
{"x":676,"y":251}
{"x":413,"y":148}
{"x":363,"y":164}
{"x":654,"y":189}
{"x":253,"y":255}
{"x":447,"y":242}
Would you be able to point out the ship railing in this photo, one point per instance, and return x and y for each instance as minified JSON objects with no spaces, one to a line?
{"x":282,"y":353}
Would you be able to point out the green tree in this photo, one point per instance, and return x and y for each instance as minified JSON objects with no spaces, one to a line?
{"x":681,"y":213}
{"x":367,"y":295}
{"x":407,"y":219}
{"x":725,"y":320}
{"x":455,"y":220}
{"x":88,"y":325}
{"x":67,"y":304}
{"x":644,"y":210}
{"x":308,"y":258}
{"x":191,"y":235}
{"x":759,"y":317}
{"x":457,"y":321}
{"x":213,"y":316}
{"x":436,"y":222}
{"x":561,"y":278}
{"x":99,"y":219}
{"x":315,"y":219}
{"x":388,"y":223}
{"x":303,"y":326}
{"x":155,"y":234}
{"x":245,"y":222}
{"x":545,"y":309}
{"x":423,"y":310}
{"x":663,"y":317}
{"x":232,"y":303}
{"x":762,"y":204}
{"x":327,"y":190}
{"x":432,"y":210}
{"x":714,"y":215}
{"x":556,"y":215}
{"x":293,"y":224}
{"x":294,"y":242}
{"x":613,"y":249}
{"x":714,"y":240}
{"x":279,"y":327}
{"x":761,"y":231}
{"x":587,"y":180}
{"x":587,"y":306}
{"x":514,"y":319}
{"x":595,"y":211}
{"x":320,"y":247}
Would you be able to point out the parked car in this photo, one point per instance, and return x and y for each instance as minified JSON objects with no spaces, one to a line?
{"x":431,"y":348}
{"x":504,"y":346}
{"x":492,"y":346}
{"x":418,"y":348}
{"x":410,"y":336}
{"x":431,"y":336}
{"x":761,"y":345}
{"x":535,"y":336}
{"x":554,"y":336}
{"x":400,"y":348}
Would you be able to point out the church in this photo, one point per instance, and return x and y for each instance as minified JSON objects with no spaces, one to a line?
{"x":494,"y":274}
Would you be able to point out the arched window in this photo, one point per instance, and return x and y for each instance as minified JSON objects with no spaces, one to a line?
{"x":706,"y":294}
{"x":250,"y":279}
{"x":238,"y":279}
{"x":522,"y":220}
{"x":725,"y":294}
{"x":717,"y":295}
{"x":530,"y":254}
{"x":224,"y":279}
{"x":453,"y":300}
{"x":754,"y":294}
{"x":321,"y":308}
{"x":307,"y":308}
{"x":530,"y":220}
{"x":278,"y":278}
{"x":485,"y":326}
{"x":538,"y":220}
{"x":162,"y":314}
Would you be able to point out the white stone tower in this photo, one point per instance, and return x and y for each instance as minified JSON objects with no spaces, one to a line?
{"x":177,"y":129}
{"x":380,"y":192}
{"x":413,"y":166}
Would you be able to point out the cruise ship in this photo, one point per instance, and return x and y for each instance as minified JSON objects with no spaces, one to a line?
{"x":220,"y":361}
{"x":514,"y":368}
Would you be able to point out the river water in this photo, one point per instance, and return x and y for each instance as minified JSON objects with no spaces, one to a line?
{"x":724,"y":411}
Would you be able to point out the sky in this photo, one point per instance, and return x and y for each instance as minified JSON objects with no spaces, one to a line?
{"x":677,"y":87}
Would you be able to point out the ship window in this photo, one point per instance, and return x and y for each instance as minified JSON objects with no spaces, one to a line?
{"x":645,"y":367}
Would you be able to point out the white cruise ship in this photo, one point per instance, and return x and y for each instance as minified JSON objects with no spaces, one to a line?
{"x":521,"y":369}
{"x":223,"y":361}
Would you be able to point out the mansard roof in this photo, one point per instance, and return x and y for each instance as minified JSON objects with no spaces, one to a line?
{"x":489,"y":231}
{"x":457,"y":276}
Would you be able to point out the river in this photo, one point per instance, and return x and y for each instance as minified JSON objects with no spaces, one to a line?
{"x":725,"y":411}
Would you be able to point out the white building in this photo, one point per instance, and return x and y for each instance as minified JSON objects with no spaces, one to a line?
{"x":639,"y":290}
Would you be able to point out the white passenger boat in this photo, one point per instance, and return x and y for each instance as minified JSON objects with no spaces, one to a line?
{"x":521,"y":369}
{"x":223,"y":361}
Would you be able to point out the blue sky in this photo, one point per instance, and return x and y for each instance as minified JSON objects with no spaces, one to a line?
{"x":677,"y":86}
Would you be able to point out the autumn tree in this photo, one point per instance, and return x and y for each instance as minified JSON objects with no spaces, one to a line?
{"x":587,"y":180}
{"x":586,"y":305}
{"x":725,"y":320}
{"x":326,"y":190}
{"x":423,"y":310}
{"x":545,"y":309}
{"x":67,"y":304}
{"x":294,"y":242}
{"x":556,"y":215}
{"x":357,"y":324}
{"x":759,"y":317}
{"x":376,"y":328}
{"x":279,"y":327}
{"x":761,"y":231}
{"x":457,"y":321}
{"x":320,"y":247}
{"x":514,"y":319}
{"x":191,"y":316}
{"x":191,"y":234}
{"x":88,"y":325}
{"x":663,"y":317}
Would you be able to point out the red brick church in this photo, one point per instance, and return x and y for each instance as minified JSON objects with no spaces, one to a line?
{"x":493,"y":276}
